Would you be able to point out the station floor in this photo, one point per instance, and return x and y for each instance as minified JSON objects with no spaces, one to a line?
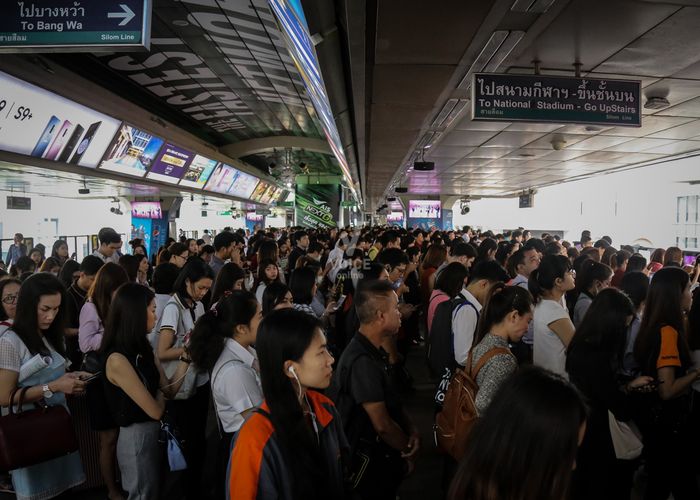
{"x":424,"y":483}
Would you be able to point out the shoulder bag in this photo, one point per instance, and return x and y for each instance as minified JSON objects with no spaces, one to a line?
{"x":30,"y":437}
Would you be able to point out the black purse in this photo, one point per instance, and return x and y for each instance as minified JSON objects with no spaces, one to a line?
{"x":91,"y":362}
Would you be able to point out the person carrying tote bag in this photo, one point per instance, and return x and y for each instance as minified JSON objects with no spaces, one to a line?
{"x":38,"y":329}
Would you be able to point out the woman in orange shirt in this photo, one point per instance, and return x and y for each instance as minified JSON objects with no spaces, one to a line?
{"x":662,"y":352}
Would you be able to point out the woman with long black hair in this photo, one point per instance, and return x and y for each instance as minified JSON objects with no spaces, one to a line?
{"x":291,"y":447}
{"x":222,"y":344}
{"x":135,"y":386}
{"x":662,"y":352}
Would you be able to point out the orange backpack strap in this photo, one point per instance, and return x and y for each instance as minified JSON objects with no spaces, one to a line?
{"x":473,"y":372}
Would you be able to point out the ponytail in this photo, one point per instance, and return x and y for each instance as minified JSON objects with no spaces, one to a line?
{"x":544,"y":277}
{"x":219,"y":324}
{"x":500,"y":302}
{"x":533,"y":285}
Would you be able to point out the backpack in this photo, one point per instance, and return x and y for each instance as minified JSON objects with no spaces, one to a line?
{"x":441,"y":351}
{"x":454,"y":422}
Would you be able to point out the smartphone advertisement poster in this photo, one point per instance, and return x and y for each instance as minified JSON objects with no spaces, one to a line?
{"x":39,"y":123}
{"x":132,"y":151}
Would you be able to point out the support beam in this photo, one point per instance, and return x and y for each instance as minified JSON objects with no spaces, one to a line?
{"x":266,"y":144}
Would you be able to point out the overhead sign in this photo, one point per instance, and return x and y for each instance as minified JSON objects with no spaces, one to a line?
{"x":19,"y":203}
{"x":74,"y":26}
{"x":539,"y":98}
{"x":39,"y":123}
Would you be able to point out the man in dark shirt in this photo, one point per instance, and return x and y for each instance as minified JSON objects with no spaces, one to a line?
{"x":77,"y":293}
{"x":301,"y":239}
{"x":373,"y":416}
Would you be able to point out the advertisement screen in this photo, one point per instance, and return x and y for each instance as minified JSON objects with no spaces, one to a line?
{"x":269,"y":194}
{"x":424,"y":209}
{"x":197,"y":174}
{"x":221,"y":178}
{"x":395,"y":217}
{"x":132,"y":151}
{"x":243,"y":185}
{"x":39,"y":123}
{"x":169,"y":166}
{"x":252,"y":216}
{"x":146,"y":210}
{"x":260,"y":190}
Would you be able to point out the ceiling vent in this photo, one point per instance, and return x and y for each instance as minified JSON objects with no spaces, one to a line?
{"x":656,"y":103}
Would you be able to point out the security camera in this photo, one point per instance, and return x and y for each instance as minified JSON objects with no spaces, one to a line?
{"x":558,"y":144}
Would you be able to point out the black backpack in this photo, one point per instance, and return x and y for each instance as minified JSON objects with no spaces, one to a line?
{"x":441,"y":353}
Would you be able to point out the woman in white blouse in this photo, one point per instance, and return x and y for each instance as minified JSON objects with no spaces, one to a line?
{"x":221,"y":344}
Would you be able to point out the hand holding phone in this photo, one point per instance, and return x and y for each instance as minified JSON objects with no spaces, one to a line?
{"x":89,"y":377}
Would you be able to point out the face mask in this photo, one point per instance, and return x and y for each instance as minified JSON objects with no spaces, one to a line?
{"x":249,"y":282}
{"x":319,"y":280}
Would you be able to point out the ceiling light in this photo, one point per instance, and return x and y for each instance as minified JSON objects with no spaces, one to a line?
{"x":84,"y":189}
{"x":656,"y":103}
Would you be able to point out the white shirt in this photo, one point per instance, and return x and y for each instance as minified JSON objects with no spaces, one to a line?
{"x":161,"y":300}
{"x":260,"y":291}
{"x":549,"y":352}
{"x":235,"y":384}
{"x":180,"y":320}
{"x":464,"y":321}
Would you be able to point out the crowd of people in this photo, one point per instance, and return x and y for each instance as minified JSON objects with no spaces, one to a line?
{"x":273,"y":365}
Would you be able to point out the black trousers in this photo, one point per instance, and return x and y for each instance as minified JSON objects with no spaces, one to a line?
{"x":190,"y":418}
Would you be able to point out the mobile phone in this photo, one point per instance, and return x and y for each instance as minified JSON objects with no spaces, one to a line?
{"x":72,"y":143}
{"x":85,"y":143}
{"x":92,"y":377}
{"x":46,"y":136}
{"x":339,"y":303}
{"x":59,"y":141}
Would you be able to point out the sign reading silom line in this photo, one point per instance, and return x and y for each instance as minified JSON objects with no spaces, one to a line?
{"x":74,"y":25}
{"x":540,"y":98}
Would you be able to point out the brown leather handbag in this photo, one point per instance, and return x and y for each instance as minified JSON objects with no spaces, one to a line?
{"x":34,"y":436}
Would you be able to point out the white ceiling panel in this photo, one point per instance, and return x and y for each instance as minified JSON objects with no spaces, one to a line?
{"x":468,"y":124}
{"x":534,"y":127}
{"x":564,"y":154}
{"x":632,"y":158}
{"x":685,"y":131}
{"x":489,"y":152}
{"x":639,"y":145}
{"x":466,"y":138}
{"x":602,"y":157}
{"x":472,"y":162}
{"x":650,"y":125}
{"x":545,"y":142}
{"x":674,"y":89}
{"x":689,"y":108}
{"x":446,"y":151}
{"x":598,"y":142}
{"x":676,"y":148}
{"x":512,"y":140}
{"x":527,"y":154}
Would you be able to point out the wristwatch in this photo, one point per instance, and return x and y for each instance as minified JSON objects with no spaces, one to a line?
{"x":48,"y":393}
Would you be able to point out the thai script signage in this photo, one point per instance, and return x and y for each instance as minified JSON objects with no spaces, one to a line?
{"x":74,"y":26}
{"x":539,"y":98}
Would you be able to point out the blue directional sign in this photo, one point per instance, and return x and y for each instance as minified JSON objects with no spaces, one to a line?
{"x":74,"y":26}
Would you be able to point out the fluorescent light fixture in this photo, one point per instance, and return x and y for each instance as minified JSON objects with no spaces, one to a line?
{"x":504,"y":50}
{"x":532,"y":6}
{"x":444,"y":113}
{"x":461,"y":106}
{"x":497,"y":38}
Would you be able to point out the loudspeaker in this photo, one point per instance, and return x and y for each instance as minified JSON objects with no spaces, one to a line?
{"x":401,"y":190}
{"x":423,"y":166}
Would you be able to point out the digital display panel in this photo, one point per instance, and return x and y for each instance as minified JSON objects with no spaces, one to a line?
{"x":197,"y":174}
{"x":170,"y":165}
{"x":146,"y":210}
{"x":424,"y":209}
{"x":39,"y":123}
{"x":259,"y":191}
{"x":395,"y":217}
{"x":132,"y":151}
{"x":243,"y":185}
{"x":221,"y":178}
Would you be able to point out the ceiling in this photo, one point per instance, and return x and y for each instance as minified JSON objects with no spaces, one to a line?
{"x":219,"y":70}
{"x":417,"y":54}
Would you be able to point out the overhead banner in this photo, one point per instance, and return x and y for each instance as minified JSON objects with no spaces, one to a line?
{"x":558,"y":99}
{"x":39,"y":123}
{"x":74,"y":26}
{"x":317,"y":205}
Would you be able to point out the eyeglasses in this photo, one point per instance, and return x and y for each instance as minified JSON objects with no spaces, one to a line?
{"x":9,"y":299}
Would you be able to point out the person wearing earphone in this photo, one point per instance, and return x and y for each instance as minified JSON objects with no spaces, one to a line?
{"x":292,"y":446}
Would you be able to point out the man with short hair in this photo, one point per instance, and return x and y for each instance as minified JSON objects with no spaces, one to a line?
{"x":77,"y":293}
{"x":315,"y":251}
{"x":226,"y":246}
{"x":206,"y":237}
{"x":110,"y":245}
{"x":301,"y":240}
{"x":373,"y":416}
{"x":464,"y":320}
{"x":523,"y":263}
{"x":17,"y":249}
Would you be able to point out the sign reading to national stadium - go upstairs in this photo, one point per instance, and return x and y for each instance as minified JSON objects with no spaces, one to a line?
{"x":74,"y":25}
{"x":541,"y":98}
